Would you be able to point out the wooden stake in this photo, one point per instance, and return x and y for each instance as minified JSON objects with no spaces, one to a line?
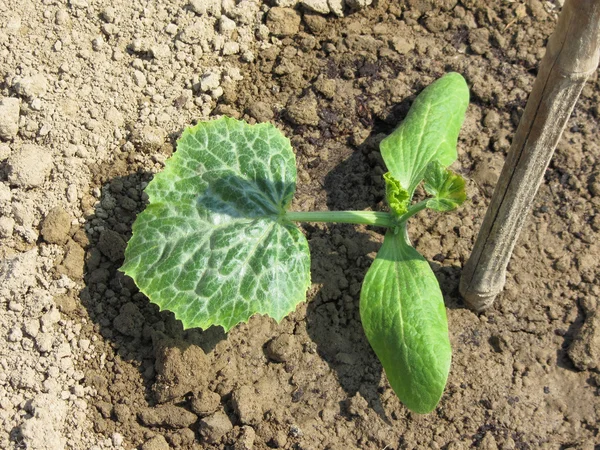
{"x":572,"y":55}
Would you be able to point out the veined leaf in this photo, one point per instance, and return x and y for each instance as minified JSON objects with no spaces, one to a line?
{"x":213,"y":246}
{"x":403,"y":315}
{"x":446,"y":187}
{"x":396,"y":196}
{"x":429,"y":132}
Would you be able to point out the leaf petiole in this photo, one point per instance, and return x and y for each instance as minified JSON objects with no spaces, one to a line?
{"x":376,"y":218}
{"x":412,"y":210}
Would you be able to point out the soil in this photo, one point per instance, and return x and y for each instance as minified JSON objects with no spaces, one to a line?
{"x":93,"y":95}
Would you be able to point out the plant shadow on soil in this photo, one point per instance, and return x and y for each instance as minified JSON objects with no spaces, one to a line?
{"x":340,"y":258}
{"x":124,"y":316}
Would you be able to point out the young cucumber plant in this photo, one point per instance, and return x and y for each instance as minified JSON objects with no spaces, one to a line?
{"x":216,"y":243}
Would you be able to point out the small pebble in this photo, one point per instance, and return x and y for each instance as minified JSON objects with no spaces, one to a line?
{"x":210,"y":80}
{"x":117,"y":439}
{"x":139,"y":79}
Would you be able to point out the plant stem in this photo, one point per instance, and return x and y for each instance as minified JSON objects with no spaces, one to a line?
{"x":380,"y":219}
{"x":412,"y":210}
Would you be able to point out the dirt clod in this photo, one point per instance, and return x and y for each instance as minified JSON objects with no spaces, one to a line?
{"x":358,"y":405}
{"x":9,"y":117}
{"x":170,"y":416}
{"x":281,"y":348}
{"x":183,"y":437}
{"x":245,"y":439}
{"x":205,"y":402}
{"x":122,"y":413}
{"x":29,"y":166}
{"x":31,"y":86}
{"x":112,"y":245}
{"x":180,"y":369}
{"x":315,"y":22}
{"x":303,"y":111}
{"x":7,"y":226}
{"x":261,"y":112}
{"x":585,"y":349}
{"x":73,"y":262}
{"x":148,"y":138}
{"x":56,"y":226}
{"x":214,"y":427}
{"x":479,"y":40}
{"x":41,"y":431}
{"x":130,"y":320}
{"x":283,"y":21}
{"x":157,"y":442}
{"x":247,"y":405}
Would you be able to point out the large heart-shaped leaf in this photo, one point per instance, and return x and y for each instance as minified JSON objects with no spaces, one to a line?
{"x":213,"y":246}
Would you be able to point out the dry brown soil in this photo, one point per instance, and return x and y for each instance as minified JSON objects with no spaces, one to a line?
{"x":103,"y":90}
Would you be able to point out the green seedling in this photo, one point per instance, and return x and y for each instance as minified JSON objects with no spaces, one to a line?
{"x":217,"y":244}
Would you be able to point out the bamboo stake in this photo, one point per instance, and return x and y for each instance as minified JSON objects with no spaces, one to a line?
{"x":572,"y":55}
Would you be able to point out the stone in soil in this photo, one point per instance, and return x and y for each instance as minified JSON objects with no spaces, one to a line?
{"x":318,"y":6}
{"x":358,"y":4}
{"x":9,"y":117}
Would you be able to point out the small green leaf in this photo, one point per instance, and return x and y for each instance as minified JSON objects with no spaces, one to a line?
{"x":396,"y":195}
{"x":447,"y":188}
{"x":213,"y":245}
{"x":429,"y":132}
{"x":403,"y":315}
